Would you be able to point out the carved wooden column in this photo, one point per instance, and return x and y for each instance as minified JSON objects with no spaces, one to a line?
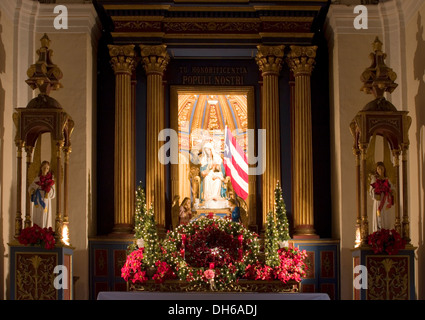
{"x":59,"y":218}
{"x":356,"y":152}
{"x":405,"y":221}
{"x":396,"y":156}
{"x":18,"y":219}
{"x":301,"y":61}
{"x":269,"y":60}
{"x":123,"y":63}
{"x":29,"y":150}
{"x":155,"y":60}
{"x":364,"y":227}
{"x":65,"y":224}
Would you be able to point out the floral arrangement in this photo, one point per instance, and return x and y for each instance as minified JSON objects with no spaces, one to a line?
{"x":137,"y":271}
{"x":215,"y":253}
{"x":36,"y":235}
{"x":382,"y":186}
{"x":211,"y":248}
{"x":46,"y":182}
{"x":386,"y":241}
{"x":291,"y":267}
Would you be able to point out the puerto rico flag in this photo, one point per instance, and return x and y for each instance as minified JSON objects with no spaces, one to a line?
{"x":235,"y":164}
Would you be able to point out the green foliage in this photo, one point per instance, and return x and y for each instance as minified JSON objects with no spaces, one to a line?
{"x":282,"y":225}
{"x":150,"y":236}
{"x":140,"y":212}
{"x":139,"y":217}
{"x":270,"y":242}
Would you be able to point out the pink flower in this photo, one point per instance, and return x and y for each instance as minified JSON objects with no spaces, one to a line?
{"x":209,"y":274}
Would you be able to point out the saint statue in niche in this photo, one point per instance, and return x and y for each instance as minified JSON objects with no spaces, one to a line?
{"x":42,"y":190}
{"x":382,"y":193}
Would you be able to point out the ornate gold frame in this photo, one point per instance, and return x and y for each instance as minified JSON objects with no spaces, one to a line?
{"x":247,"y":90}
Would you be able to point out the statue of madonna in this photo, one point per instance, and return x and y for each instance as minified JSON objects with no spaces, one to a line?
{"x":212,"y":173}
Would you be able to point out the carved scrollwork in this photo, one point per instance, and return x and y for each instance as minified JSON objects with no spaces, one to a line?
{"x":269,"y":59}
{"x":155,"y":58}
{"x":212,"y":26}
{"x":301,"y":59}
{"x":122,"y":58}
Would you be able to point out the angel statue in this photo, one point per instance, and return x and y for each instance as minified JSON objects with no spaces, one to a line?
{"x":42,"y":190}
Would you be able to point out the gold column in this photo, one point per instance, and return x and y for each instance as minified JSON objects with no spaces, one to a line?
{"x":269,"y":60}
{"x":18,"y":219}
{"x":364,"y":194}
{"x":405,"y":222}
{"x":65,"y":232}
{"x":396,"y":157}
{"x":27,"y":223}
{"x":155,"y":60}
{"x":123,"y":63}
{"x":358,"y":241}
{"x":58,"y":220}
{"x":301,"y":61}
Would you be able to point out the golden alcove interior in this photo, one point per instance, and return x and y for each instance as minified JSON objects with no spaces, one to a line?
{"x":197,"y":112}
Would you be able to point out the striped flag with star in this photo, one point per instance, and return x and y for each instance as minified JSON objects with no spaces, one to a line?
{"x":235,"y":164}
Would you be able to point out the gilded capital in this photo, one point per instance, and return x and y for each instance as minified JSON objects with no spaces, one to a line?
{"x":269,"y":59}
{"x":301,"y":59}
{"x":122,"y":58}
{"x":155,"y":58}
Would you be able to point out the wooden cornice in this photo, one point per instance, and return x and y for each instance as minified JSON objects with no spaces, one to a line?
{"x":237,"y":21}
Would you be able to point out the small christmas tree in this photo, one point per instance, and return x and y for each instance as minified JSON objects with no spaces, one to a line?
{"x":270,"y":242}
{"x":150,"y":235}
{"x":282,"y":225}
{"x":139,"y":217}
{"x":140,"y":212}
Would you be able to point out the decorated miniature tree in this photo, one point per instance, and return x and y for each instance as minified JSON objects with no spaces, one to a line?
{"x":140,"y":212}
{"x":139,"y":219}
{"x":282,"y":225}
{"x":270,"y":242}
{"x":150,"y":236}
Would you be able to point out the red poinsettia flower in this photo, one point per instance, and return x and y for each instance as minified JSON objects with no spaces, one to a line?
{"x":386,"y":241}
{"x":36,"y":235}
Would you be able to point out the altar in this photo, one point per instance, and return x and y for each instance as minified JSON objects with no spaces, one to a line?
{"x":219,"y":213}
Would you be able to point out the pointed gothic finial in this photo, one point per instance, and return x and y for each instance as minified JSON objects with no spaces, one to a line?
{"x":377,"y":45}
{"x":45,"y":41}
{"x":44,"y":74}
{"x":378,"y":78}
